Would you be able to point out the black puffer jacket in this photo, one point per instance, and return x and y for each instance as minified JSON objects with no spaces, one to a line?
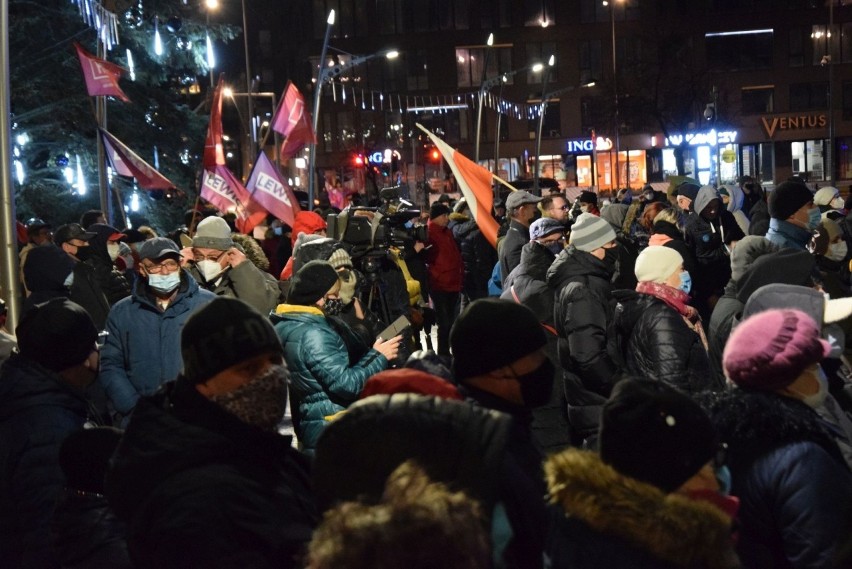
{"x":658,"y":344}
{"x":112,"y":282}
{"x":478,"y":256}
{"x":582,"y":313}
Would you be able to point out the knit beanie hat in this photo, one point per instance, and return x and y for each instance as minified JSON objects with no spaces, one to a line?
{"x":492,"y":333}
{"x":84,"y":457}
{"x":688,"y":190}
{"x":544,"y":226}
{"x":57,"y":334}
{"x":213,"y":233}
{"x":590,"y":232}
{"x":769,"y":350}
{"x":222,"y":333}
{"x":787,"y":198}
{"x":825,"y":195}
{"x":311,"y":283}
{"x":657,"y":263}
{"x":307,"y":222}
{"x":438,"y":209}
{"x":652,"y":432}
{"x":340,"y":258}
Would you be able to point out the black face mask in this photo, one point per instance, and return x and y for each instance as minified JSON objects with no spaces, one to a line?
{"x":611,"y":259}
{"x":537,"y":385}
{"x":333,"y":306}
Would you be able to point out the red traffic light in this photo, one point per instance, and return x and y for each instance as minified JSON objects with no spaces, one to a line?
{"x":359,"y":160}
{"x":434,"y":155}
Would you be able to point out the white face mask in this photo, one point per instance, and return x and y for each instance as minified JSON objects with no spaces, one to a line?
{"x":817,"y":399}
{"x":584,"y":208}
{"x":837,"y":251}
{"x":837,"y":203}
{"x":209,"y":269}
{"x":113,"y":250}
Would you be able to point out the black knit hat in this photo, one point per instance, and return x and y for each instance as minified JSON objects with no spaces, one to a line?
{"x":492,"y":333}
{"x":57,"y":334}
{"x":652,"y":432}
{"x":787,"y":198}
{"x":311,"y":283}
{"x":438,"y":209}
{"x":224,"y":332}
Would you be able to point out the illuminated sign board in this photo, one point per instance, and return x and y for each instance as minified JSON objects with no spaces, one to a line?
{"x":587,"y":145}
{"x":385,"y":157}
{"x":710,"y":138}
{"x":801,"y":122}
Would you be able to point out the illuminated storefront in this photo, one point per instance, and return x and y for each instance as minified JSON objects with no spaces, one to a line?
{"x":596,"y":159}
{"x":711,"y":157}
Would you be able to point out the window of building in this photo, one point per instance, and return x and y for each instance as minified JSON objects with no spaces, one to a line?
{"x":391,"y":16}
{"x":350,"y":20}
{"x":628,"y":53}
{"x":846,"y":43}
{"x":824,"y":41}
{"x":758,"y":100}
{"x":417,"y":67}
{"x":598,"y":11}
{"x":745,"y":49}
{"x":540,"y":53}
{"x":539,"y":13}
{"x":796,"y":47}
{"x":590,"y":61}
{"x":552,"y":126}
{"x":847,"y":101}
{"x":809,"y":159}
{"x":494,"y":14}
{"x":808,"y":96}
{"x":470,"y":62}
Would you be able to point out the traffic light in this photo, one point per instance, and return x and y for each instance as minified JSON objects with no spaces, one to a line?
{"x":433,"y":154}
{"x":359,"y":160}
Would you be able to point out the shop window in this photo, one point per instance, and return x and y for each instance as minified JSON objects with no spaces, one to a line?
{"x":736,"y":50}
{"x":758,"y":100}
{"x":844,"y":158}
{"x":470,"y":60}
{"x":809,"y":159}
{"x":808,"y":96}
{"x":590,"y":61}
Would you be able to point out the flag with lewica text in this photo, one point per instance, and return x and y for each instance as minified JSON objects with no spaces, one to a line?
{"x":267,"y":188}
{"x":101,"y":76}
{"x":293,"y":121}
{"x":127,"y":163}
{"x":222,"y":189}
{"x":475,"y":184}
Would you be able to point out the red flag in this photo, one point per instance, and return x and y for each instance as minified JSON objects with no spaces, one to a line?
{"x":101,"y":76}
{"x":214,"y":154}
{"x":293,"y":121}
{"x":222,"y":189}
{"x":271,"y":192}
{"x":127,"y":163}
{"x":475,"y":183}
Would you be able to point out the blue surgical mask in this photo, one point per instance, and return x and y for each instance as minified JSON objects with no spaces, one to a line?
{"x":814,"y":218}
{"x":723,"y":478}
{"x":685,"y":282}
{"x":164,"y":284}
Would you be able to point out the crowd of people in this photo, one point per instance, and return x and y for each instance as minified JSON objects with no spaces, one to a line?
{"x":651,"y":380}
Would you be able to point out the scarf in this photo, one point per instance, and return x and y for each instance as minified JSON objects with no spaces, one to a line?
{"x":677,"y":299}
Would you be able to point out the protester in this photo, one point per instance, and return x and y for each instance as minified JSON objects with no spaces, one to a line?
{"x":85,"y":284}
{"x":478,"y":255}
{"x":794,"y":216}
{"x":554,"y":206}
{"x":628,"y":247}
{"x":588,"y":202}
{"x":733,"y":199}
{"x":48,"y":274}
{"x":665,"y":231}
{"x":446,"y":273}
{"x":38,"y":233}
{"x":521,"y":208}
{"x":104,"y":248}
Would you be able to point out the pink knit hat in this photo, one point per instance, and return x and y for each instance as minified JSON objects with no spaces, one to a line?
{"x":771,"y":349}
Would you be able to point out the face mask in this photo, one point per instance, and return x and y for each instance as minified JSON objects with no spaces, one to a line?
{"x":260,"y":402}
{"x":837,"y":203}
{"x":554,"y":247}
{"x":817,"y":399}
{"x":348,"y":283}
{"x":113,"y":250}
{"x":209,"y":269}
{"x":837,"y":251}
{"x":164,"y":284}
{"x":723,"y":478}
{"x":69,"y":280}
{"x":537,"y":385}
{"x":84,"y":253}
{"x":611,"y":258}
{"x":685,"y":282}
{"x":814,"y":218}
{"x":584,"y":208}
{"x":333,"y":306}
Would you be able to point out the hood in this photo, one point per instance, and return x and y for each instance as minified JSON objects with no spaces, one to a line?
{"x":26,"y":384}
{"x":615,"y":214}
{"x":747,"y":251}
{"x":778,"y":296}
{"x":787,"y":266}
{"x":737,"y":196}
{"x":306,"y":222}
{"x":252,"y":250}
{"x":47,"y":268}
{"x":671,"y":527}
{"x":571,"y":264}
{"x":705,"y":195}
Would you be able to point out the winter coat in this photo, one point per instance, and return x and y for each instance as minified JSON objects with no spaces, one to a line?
{"x":246,"y":282}
{"x":197,"y":487}
{"x":322,"y":382}
{"x":112,"y":282}
{"x":45,"y":273}
{"x":795,"y":490}
{"x":509,"y":251}
{"x":604,"y":519}
{"x":142,"y":349}
{"x":446,"y":268}
{"x":86,"y":533}
{"x":37,"y":411}
{"x":658,"y":344}
{"x":759,"y":216}
{"x":478,"y":255}
{"x":785,"y":234}
{"x":87,"y":292}
{"x":583,"y":312}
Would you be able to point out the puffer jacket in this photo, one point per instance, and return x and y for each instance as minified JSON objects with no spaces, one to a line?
{"x":583,"y":312}
{"x":322,"y":382}
{"x":446,"y":268}
{"x":603,"y":519}
{"x":142,"y":349}
{"x":37,"y":412}
{"x":795,"y":489}
{"x":477,"y":254}
{"x":658,"y":344}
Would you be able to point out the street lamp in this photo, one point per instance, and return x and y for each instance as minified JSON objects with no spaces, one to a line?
{"x":611,"y":4}
{"x":229,"y":93}
{"x":482,"y":91}
{"x":249,"y":85}
{"x":542,"y":109}
{"x":326,"y":74}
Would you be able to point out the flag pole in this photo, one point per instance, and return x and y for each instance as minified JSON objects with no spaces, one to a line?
{"x":101,"y":116}
{"x":504,"y":182}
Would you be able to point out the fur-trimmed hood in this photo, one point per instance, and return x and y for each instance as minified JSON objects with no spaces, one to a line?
{"x":252,"y":250}
{"x":670,"y":527}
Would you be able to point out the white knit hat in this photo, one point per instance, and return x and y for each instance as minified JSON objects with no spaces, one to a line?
{"x":657,"y":263}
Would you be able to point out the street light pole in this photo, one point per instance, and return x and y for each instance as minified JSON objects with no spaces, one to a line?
{"x":482,"y":90}
{"x":543,"y":109}
{"x":249,"y":87}
{"x":615,"y":94}
{"x":830,"y":153}
{"x":312,"y":147}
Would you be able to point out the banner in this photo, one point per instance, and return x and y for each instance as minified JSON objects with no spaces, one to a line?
{"x":267,"y":188}
{"x":101,"y":76}
{"x":125,"y":162}
{"x":222,"y":189}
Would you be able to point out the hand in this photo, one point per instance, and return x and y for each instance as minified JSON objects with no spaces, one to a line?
{"x":419,"y":246}
{"x":235,"y":257}
{"x":390,"y":348}
{"x":186,"y":256}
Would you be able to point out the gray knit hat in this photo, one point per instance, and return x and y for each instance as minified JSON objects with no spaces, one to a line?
{"x":590,"y":232}
{"x":213,"y":233}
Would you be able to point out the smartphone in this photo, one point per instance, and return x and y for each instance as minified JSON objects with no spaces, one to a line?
{"x":396,"y":328}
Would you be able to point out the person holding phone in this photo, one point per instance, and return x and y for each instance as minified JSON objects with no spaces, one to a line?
{"x":323,"y":381}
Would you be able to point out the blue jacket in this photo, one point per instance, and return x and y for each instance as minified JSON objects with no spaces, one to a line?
{"x":142,"y":349}
{"x":37,"y":412}
{"x":785,"y":234}
{"x":322,"y":382}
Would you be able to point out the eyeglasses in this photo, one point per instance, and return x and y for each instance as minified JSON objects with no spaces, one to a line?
{"x":169,"y":266}
{"x":565,"y":207}
{"x":200,"y":257}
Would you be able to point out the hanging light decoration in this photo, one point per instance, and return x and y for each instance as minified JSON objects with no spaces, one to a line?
{"x":156,"y":159}
{"x":19,"y":171}
{"x":134,"y":201}
{"x":130,"y":66}
{"x":158,"y":42}
{"x":81,"y":181}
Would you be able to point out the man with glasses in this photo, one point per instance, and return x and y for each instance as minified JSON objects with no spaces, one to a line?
{"x":221,"y":267}
{"x":521,"y":206}
{"x":142,"y":348}
{"x":554,"y":206}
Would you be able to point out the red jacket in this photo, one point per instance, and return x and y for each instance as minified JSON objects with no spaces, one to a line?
{"x":446,"y":269}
